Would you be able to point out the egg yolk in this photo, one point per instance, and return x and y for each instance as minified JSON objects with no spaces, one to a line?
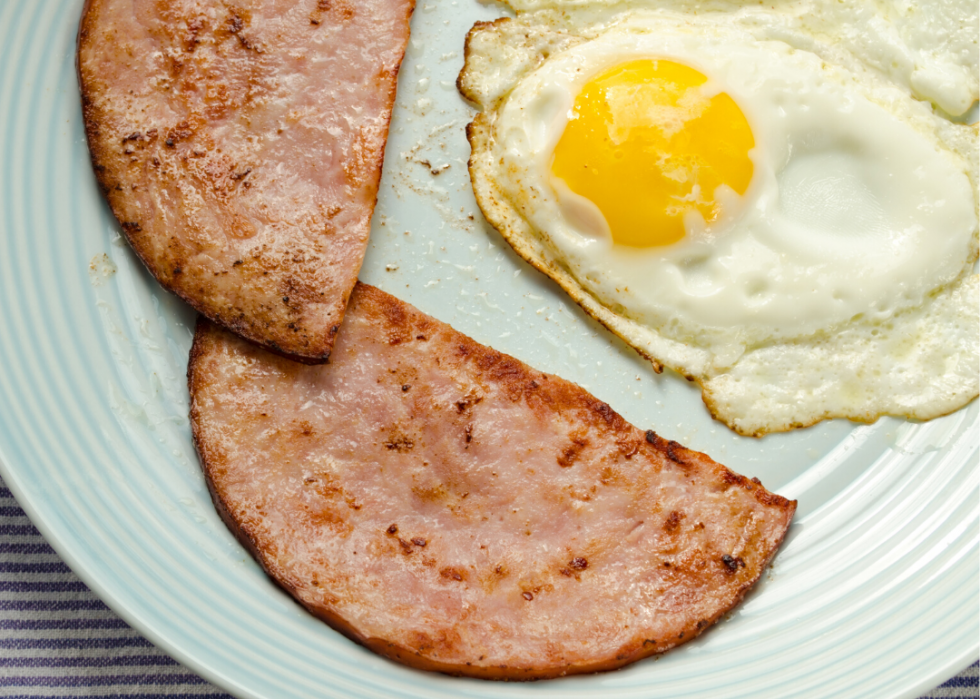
{"x":646,"y":146}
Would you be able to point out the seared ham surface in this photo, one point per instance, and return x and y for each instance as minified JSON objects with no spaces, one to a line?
{"x":453,"y":509}
{"x":239,"y":144}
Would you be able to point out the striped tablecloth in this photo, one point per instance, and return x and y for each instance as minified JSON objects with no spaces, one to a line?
{"x":57,"y":639}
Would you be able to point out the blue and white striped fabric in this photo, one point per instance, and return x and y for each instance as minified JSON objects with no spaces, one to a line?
{"x":57,"y":639}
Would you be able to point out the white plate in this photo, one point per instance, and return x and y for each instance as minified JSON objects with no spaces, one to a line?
{"x":875,"y":592}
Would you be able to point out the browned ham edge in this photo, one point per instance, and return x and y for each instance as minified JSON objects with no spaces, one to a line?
{"x":455,"y":510}
{"x":240,"y":144}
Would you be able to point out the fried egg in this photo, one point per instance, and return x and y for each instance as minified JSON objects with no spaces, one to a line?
{"x":796,"y":236}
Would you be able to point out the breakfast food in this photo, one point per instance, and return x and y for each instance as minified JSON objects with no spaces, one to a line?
{"x":240,"y":147}
{"x":453,"y":509}
{"x":796,"y":236}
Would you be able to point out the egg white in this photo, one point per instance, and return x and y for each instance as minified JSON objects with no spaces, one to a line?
{"x":928,"y":46}
{"x":902,"y":221}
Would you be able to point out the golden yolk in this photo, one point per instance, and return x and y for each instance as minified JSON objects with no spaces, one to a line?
{"x":646,"y":146}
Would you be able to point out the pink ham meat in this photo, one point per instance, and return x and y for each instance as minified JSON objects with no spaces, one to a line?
{"x":453,"y":509}
{"x":239,"y":144}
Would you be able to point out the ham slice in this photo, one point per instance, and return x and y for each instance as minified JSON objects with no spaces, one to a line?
{"x":453,"y":509}
{"x":240,"y":146}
